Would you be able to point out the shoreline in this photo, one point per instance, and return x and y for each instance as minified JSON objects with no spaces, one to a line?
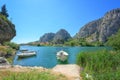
{"x":19,"y":66}
{"x":71,"y":71}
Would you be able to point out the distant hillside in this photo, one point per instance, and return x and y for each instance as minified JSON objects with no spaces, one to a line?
{"x":57,"y":38}
{"x":101,"y":29}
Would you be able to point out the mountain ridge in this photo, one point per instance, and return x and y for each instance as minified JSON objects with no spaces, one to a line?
{"x":102,"y":28}
{"x":57,"y":38}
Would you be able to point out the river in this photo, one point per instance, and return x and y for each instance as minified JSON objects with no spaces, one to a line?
{"x":46,"y":56}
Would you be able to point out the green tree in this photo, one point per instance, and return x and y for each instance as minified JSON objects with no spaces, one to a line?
{"x":4,"y":11}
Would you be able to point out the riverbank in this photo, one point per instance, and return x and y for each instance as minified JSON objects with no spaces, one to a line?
{"x":62,"y":72}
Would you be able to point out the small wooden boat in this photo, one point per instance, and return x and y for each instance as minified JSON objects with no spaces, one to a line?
{"x":26,"y":54}
{"x":62,"y":55}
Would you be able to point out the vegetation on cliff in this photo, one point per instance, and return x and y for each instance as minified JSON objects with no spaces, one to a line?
{"x":7,"y":32}
{"x":7,"y":28}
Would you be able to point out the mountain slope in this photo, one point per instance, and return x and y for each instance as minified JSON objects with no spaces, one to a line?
{"x":61,"y":36}
{"x":47,"y":37}
{"x":57,"y":38}
{"x":101,"y":29}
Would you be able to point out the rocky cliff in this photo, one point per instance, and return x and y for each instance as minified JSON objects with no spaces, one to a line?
{"x":61,"y":36}
{"x":101,"y":29}
{"x":47,"y":37}
{"x":7,"y":29}
{"x":58,"y":37}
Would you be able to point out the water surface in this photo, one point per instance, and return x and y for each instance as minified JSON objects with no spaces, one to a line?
{"x":46,"y":56}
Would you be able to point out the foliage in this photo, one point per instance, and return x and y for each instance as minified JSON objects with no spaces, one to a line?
{"x":3,"y":18}
{"x":114,"y":41}
{"x":97,"y":43}
{"x":77,"y":42}
{"x":4,"y":11}
{"x":101,"y":65}
{"x":7,"y":52}
{"x":12,"y":45}
{"x":32,"y":75}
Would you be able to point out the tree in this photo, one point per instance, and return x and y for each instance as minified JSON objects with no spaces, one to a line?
{"x":4,"y":11}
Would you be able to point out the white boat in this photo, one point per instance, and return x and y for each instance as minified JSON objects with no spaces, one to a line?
{"x":62,"y":55}
{"x":24,"y":50}
{"x":26,"y":54}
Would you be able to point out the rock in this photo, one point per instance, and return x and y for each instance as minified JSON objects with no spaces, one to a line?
{"x":3,"y":62}
{"x":57,"y":38}
{"x":47,"y":37}
{"x":61,"y":36}
{"x":101,"y":29}
{"x":7,"y":29}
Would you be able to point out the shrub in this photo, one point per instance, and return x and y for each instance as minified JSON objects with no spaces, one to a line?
{"x":12,"y":45}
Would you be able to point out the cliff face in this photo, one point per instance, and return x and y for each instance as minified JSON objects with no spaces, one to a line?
{"x":58,"y":38}
{"x":101,"y":29}
{"x":47,"y":37}
{"x":7,"y":29}
{"x":61,"y":36}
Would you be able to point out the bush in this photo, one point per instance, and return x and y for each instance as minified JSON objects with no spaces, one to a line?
{"x":12,"y":45}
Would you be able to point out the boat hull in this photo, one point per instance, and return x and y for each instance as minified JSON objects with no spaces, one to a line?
{"x":26,"y":54}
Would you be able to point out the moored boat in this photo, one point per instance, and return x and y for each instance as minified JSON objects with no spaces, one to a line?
{"x":62,"y":55}
{"x":24,"y":50}
{"x":26,"y":54}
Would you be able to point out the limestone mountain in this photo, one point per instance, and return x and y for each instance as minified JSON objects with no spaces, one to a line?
{"x":101,"y":29}
{"x":57,"y":38}
{"x":47,"y":37}
{"x":7,"y":29}
{"x":61,"y":36}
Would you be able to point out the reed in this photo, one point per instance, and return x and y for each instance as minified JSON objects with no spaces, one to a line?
{"x":101,"y":65}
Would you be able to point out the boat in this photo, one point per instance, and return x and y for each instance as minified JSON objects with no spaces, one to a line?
{"x":62,"y":55}
{"x":24,"y":50}
{"x":26,"y":54}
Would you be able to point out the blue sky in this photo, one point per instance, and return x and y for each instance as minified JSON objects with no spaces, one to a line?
{"x":33,"y":18}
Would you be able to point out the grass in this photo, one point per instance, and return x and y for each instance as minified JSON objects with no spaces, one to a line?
{"x":32,"y":75}
{"x":100,"y":65}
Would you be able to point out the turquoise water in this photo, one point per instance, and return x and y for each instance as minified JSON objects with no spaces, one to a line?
{"x":46,"y":56}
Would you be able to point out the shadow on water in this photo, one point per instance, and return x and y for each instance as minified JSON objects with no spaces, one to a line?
{"x":62,"y":62}
{"x":27,"y":57}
